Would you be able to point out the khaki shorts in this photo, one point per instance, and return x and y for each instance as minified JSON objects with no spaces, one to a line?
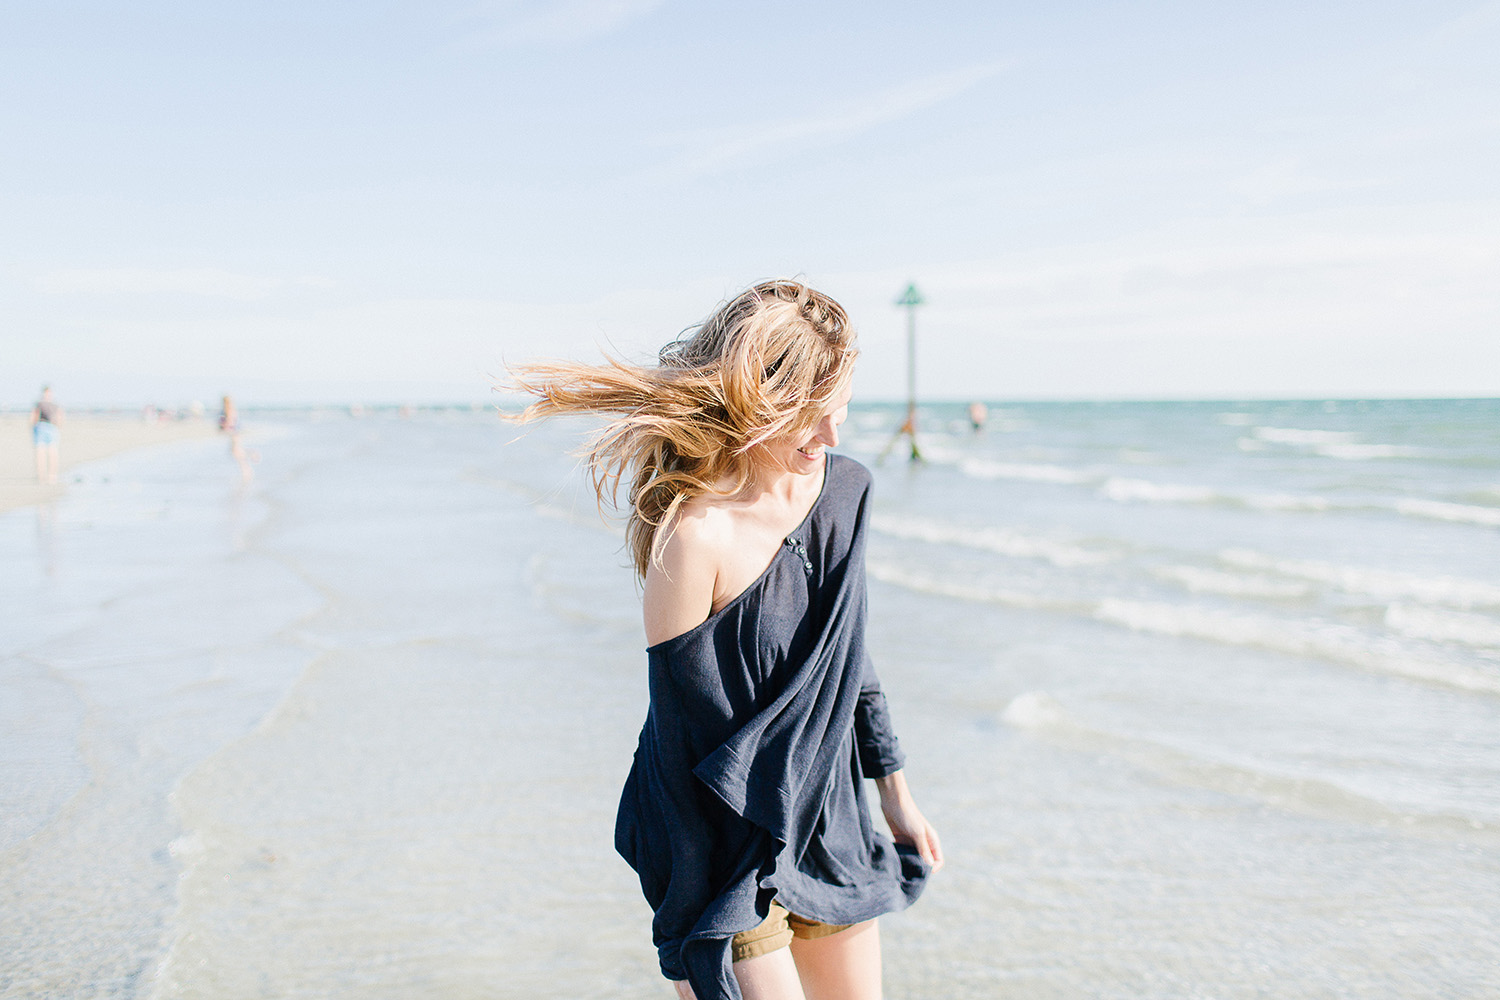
{"x":777,"y":931}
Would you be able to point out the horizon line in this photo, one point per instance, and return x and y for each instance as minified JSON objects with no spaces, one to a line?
{"x":479,"y":404}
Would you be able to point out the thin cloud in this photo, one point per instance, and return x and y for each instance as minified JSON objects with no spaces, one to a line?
{"x":1463,"y":28}
{"x":557,"y":21}
{"x":725,"y":148}
{"x":201,"y":281}
{"x":1322,"y":278}
{"x":1283,"y":178}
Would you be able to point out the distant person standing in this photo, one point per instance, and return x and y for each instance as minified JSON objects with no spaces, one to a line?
{"x":46,"y":416}
{"x":979,"y":415}
{"x":229,"y":423}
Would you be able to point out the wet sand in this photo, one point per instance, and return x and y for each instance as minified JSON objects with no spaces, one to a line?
{"x":84,"y":439}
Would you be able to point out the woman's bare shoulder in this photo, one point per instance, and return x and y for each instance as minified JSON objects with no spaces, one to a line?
{"x":679,"y":586}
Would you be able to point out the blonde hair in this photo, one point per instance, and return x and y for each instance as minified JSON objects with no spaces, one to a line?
{"x":767,"y":363}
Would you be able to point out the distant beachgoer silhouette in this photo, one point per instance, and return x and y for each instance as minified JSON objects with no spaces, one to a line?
{"x":979,"y":415}
{"x":229,"y":423}
{"x":46,"y":416}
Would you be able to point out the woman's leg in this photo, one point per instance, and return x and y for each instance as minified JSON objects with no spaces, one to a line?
{"x":772,"y":976}
{"x":842,"y":966}
{"x":237,"y":449}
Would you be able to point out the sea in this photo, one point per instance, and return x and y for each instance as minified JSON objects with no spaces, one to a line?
{"x":1203,"y":699}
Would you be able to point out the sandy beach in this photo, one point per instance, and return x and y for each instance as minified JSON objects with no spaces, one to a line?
{"x":1204,"y":699}
{"x":84,"y":439}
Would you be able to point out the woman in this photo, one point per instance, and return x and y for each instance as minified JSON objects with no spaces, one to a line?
{"x":744,"y":813}
{"x":229,"y":423}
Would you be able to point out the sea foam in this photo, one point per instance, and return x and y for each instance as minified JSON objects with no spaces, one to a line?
{"x":998,"y":540}
{"x":1327,"y":641}
{"x":988,"y":469}
{"x":1443,"y":626}
{"x":1322,"y":640}
{"x":1386,"y":585}
{"x":1190,"y":763}
{"x":1126,"y":490}
{"x":1035,"y":710}
{"x":1303,"y":438}
{"x":1123,"y":490}
{"x":928,"y":584}
{"x":1330,"y":444}
{"x":1365,"y":452}
{"x":1210,"y":581}
{"x":1459,"y":512}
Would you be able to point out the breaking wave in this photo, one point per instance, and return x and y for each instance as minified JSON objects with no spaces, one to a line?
{"x":997,"y":540}
{"x":1443,"y":626}
{"x":1330,"y":444}
{"x":1329,"y":641}
{"x":1385,"y":585}
{"x":1364,"y":452}
{"x":928,"y":584}
{"x":1303,"y":438}
{"x":988,"y":469}
{"x":1212,"y":581}
{"x":1124,"y":490}
{"x":1322,"y":640}
{"x":1439,"y":510}
{"x":1038,"y":712}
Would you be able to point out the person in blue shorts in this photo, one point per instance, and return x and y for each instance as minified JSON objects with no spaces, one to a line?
{"x":46,"y":416}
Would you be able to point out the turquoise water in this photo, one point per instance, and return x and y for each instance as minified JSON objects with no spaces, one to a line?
{"x":1204,"y":698}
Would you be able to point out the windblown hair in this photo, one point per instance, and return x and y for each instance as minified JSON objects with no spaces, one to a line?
{"x":767,"y":363}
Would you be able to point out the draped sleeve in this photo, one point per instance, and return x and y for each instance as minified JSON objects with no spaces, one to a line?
{"x":880,"y":753}
{"x":746,"y":781}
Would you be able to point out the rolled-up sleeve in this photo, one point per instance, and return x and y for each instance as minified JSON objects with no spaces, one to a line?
{"x":874,"y":736}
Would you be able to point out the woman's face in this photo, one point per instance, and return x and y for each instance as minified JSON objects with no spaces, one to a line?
{"x":803,"y":453}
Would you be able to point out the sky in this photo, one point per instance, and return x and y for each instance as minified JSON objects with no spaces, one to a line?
{"x":306,"y":201}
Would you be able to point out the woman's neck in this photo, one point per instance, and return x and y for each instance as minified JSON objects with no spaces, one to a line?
{"x":782,"y":486}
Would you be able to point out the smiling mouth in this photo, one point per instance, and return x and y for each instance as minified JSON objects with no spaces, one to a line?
{"x":811,"y":452}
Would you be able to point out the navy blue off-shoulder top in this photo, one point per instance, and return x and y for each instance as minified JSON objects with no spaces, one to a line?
{"x":746,"y":782}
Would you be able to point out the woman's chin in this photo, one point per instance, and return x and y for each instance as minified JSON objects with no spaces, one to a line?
{"x":805,"y":463}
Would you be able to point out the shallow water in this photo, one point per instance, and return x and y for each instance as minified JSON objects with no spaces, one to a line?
{"x":1204,"y":698}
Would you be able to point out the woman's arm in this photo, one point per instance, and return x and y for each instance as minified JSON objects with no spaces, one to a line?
{"x":908,"y":825}
{"x":874,"y":735}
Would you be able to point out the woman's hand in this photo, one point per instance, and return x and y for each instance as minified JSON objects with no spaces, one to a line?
{"x":908,"y":825}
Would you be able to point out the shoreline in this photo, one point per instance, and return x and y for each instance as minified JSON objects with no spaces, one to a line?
{"x":84,"y":439}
